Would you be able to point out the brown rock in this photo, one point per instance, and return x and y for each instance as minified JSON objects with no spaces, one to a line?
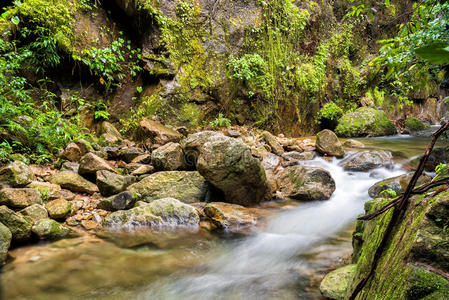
{"x":156,"y":132}
{"x":271,"y":140}
{"x":91,"y":163}
{"x":58,"y":209}
{"x":19,"y":198}
{"x":169,"y":157}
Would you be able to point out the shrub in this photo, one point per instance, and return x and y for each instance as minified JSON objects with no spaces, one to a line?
{"x":329,"y":115}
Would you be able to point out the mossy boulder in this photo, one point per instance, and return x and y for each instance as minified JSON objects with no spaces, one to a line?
{"x":327,"y":143}
{"x":424,"y":284}
{"x":58,"y":209}
{"x":398,"y":184}
{"x":365,"y":121}
{"x":73,"y":182}
{"x":16,"y":174}
{"x":46,"y":189}
{"x":336,"y":283}
{"x":412,"y":125}
{"x":5,"y":242}
{"x":186,"y":186}
{"x":306,"y":183}
{"x":35,"y":212}
{"x":19,"y":225}
{"x":48,"y":229}
{"x":19,"y":197}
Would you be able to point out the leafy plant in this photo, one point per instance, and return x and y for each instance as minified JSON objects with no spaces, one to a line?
{"x":329,"y":115}
{"x":389,"y":193}
{"x":220,"y":121}
{"x":101,"y":112}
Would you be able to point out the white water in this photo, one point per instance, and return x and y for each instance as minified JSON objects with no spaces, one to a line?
{"x":267,"y":265}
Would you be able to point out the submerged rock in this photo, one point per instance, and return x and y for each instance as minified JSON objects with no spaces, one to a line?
{"x":230,"y":217}
{"x":306,"y":183}
{"x":5,"y":242}
{"x":229,"y":165}
{"x":48,"y":229}
{"x":368,"y":160}
{"x":73,"y":182}
{"x":16,"y":174}
{"x":20,"y":197}
{"x":335,"y":285}
{"x":327,"y":143}
{"x":186,"y":186}
{"x":397,"y":184}
{"x":20,"y":226}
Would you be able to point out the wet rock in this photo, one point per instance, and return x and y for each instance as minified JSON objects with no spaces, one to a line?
{"x":73,"y":182}
{"x":368,"y":160}
{"x":20,"y":197}
{"x":365,"y":121}
{"x":124,"y":200}
{"x":169,"y":157}
{"x":48,"y":229}
{"x":35,"y":212}
{"x":91,"y":163}
{"x":156,"y":132}
{"x":335,"y":285}
{"x":72,"y":152}
{"x":353,"y":144}
{"x":130,"y":153}
{"x":229,"y":165}
{"x":306,"y":183}
{"x":110,"y":183}
{"x":5,"y":242}
{"x":271,"y":140}
{"x":20,"y":226}
{"x":46,"y":189}
{"x":186,"y":186}
{"x":16,"y":174}
{"x":327,"y":143}
{"x":297,"y":156}
{"x":58,"y":209}
{"x":161,"y":213}
{"x":397,"y":184}
{"x":230,"y":217}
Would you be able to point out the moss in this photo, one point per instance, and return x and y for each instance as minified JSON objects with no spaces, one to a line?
{"x":365,"y":122}
{"x":425,"y":284}
{"x":413,"y":124}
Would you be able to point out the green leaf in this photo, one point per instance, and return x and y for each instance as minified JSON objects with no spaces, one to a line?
{"x":139,"y":89}
{"x":15,"y":20}
{"x":437,"y":53}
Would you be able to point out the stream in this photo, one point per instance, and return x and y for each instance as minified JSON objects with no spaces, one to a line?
{"x":284,"y":259}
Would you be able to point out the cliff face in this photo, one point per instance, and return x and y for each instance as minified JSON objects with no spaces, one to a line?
{"x":415,"y":261}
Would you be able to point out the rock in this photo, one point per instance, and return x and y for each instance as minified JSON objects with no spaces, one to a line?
{"x":124,"y":200}
{"x":72,"y":152}
{"x":229,"y":165}
{"x":368,"y":160}
{"x":353,"y":144}
{"x":110,"y":183}
{"x":20,"y":226}
{"x":156,"y":132}
{"x":306,"y":183}
{"x":194,"y":142}
{"x":161,"y":213}
{"x":48,"y":229}
{"x":35,"y":212}
{"x":84,"y":146}
{"x":110,"y":130}
{"x":271,"y":140}
{"x":142,"y":159}
{"x":365,"y":121}
{"x":327,"y":143}
{"x":73,"y":182}
{"x":108,"y":139}
{"x":230,"y":217}
{"x":46,"y":189}
{"x":186,"y":186}
{"x":113,"y":153}
{"x":335,"y":285}
{"x":70,"y":166}
{"x":128,"y":154}
{"x":169,"y":157}
{"x":413,"y":126}
{"x":20,"y":197}
{"x":297,"y":156}
{"x":397,"y":184}
{"x":142,"y":169}
{"x":91,"y":163}
{"x":59,"y":209}
{"x":16,"y":174}
{"x":5,"y":242}
{"x":438,"y":156}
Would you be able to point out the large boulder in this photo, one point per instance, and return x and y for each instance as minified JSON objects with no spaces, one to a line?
{"x":91,"y":163}
{"x":327,"y":143}
{"x":20,"y":226}
{"x":168,"y":157}
{"x":16,"y":174}
{"x":5,"y":242}
{"x":72,"y":152}
{"x":230,"y":217}
{"x":365,"y":121}
{"x":20,"y":197}
{"x":186,"y":186}
{"x":229,"y":165}
{"x":398,"y":184}
{"x":73,"y":182}
{"x":124,"y":200}
{"x":156,"y":132}
{"x":110,"y":183}
{"x":48,"y":229}
{"x":271,"y":140}
{"x":306,"y":183}
{"x":335,"y":284}
{"x":367,"y":160}
{"x":161,"y":213}
{"x":414,"y":126}
{"x":194,"y":142}
{"x":35,"y":212}
{"x":58,"y":209}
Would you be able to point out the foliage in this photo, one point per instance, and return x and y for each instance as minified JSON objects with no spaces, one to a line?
{"x":101,"y":113}
{"x":329,"y":115}
{"x":413,"y":124}
{"x":378,"y":96}
{"x":252,"y":70}
{"x":150,"y":106}
{"x":220,"y":121}
{"x":388,"y":193}
{"x":191,"y":113}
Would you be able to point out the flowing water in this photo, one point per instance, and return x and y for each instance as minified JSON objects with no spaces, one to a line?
{"x":280,"y":261}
